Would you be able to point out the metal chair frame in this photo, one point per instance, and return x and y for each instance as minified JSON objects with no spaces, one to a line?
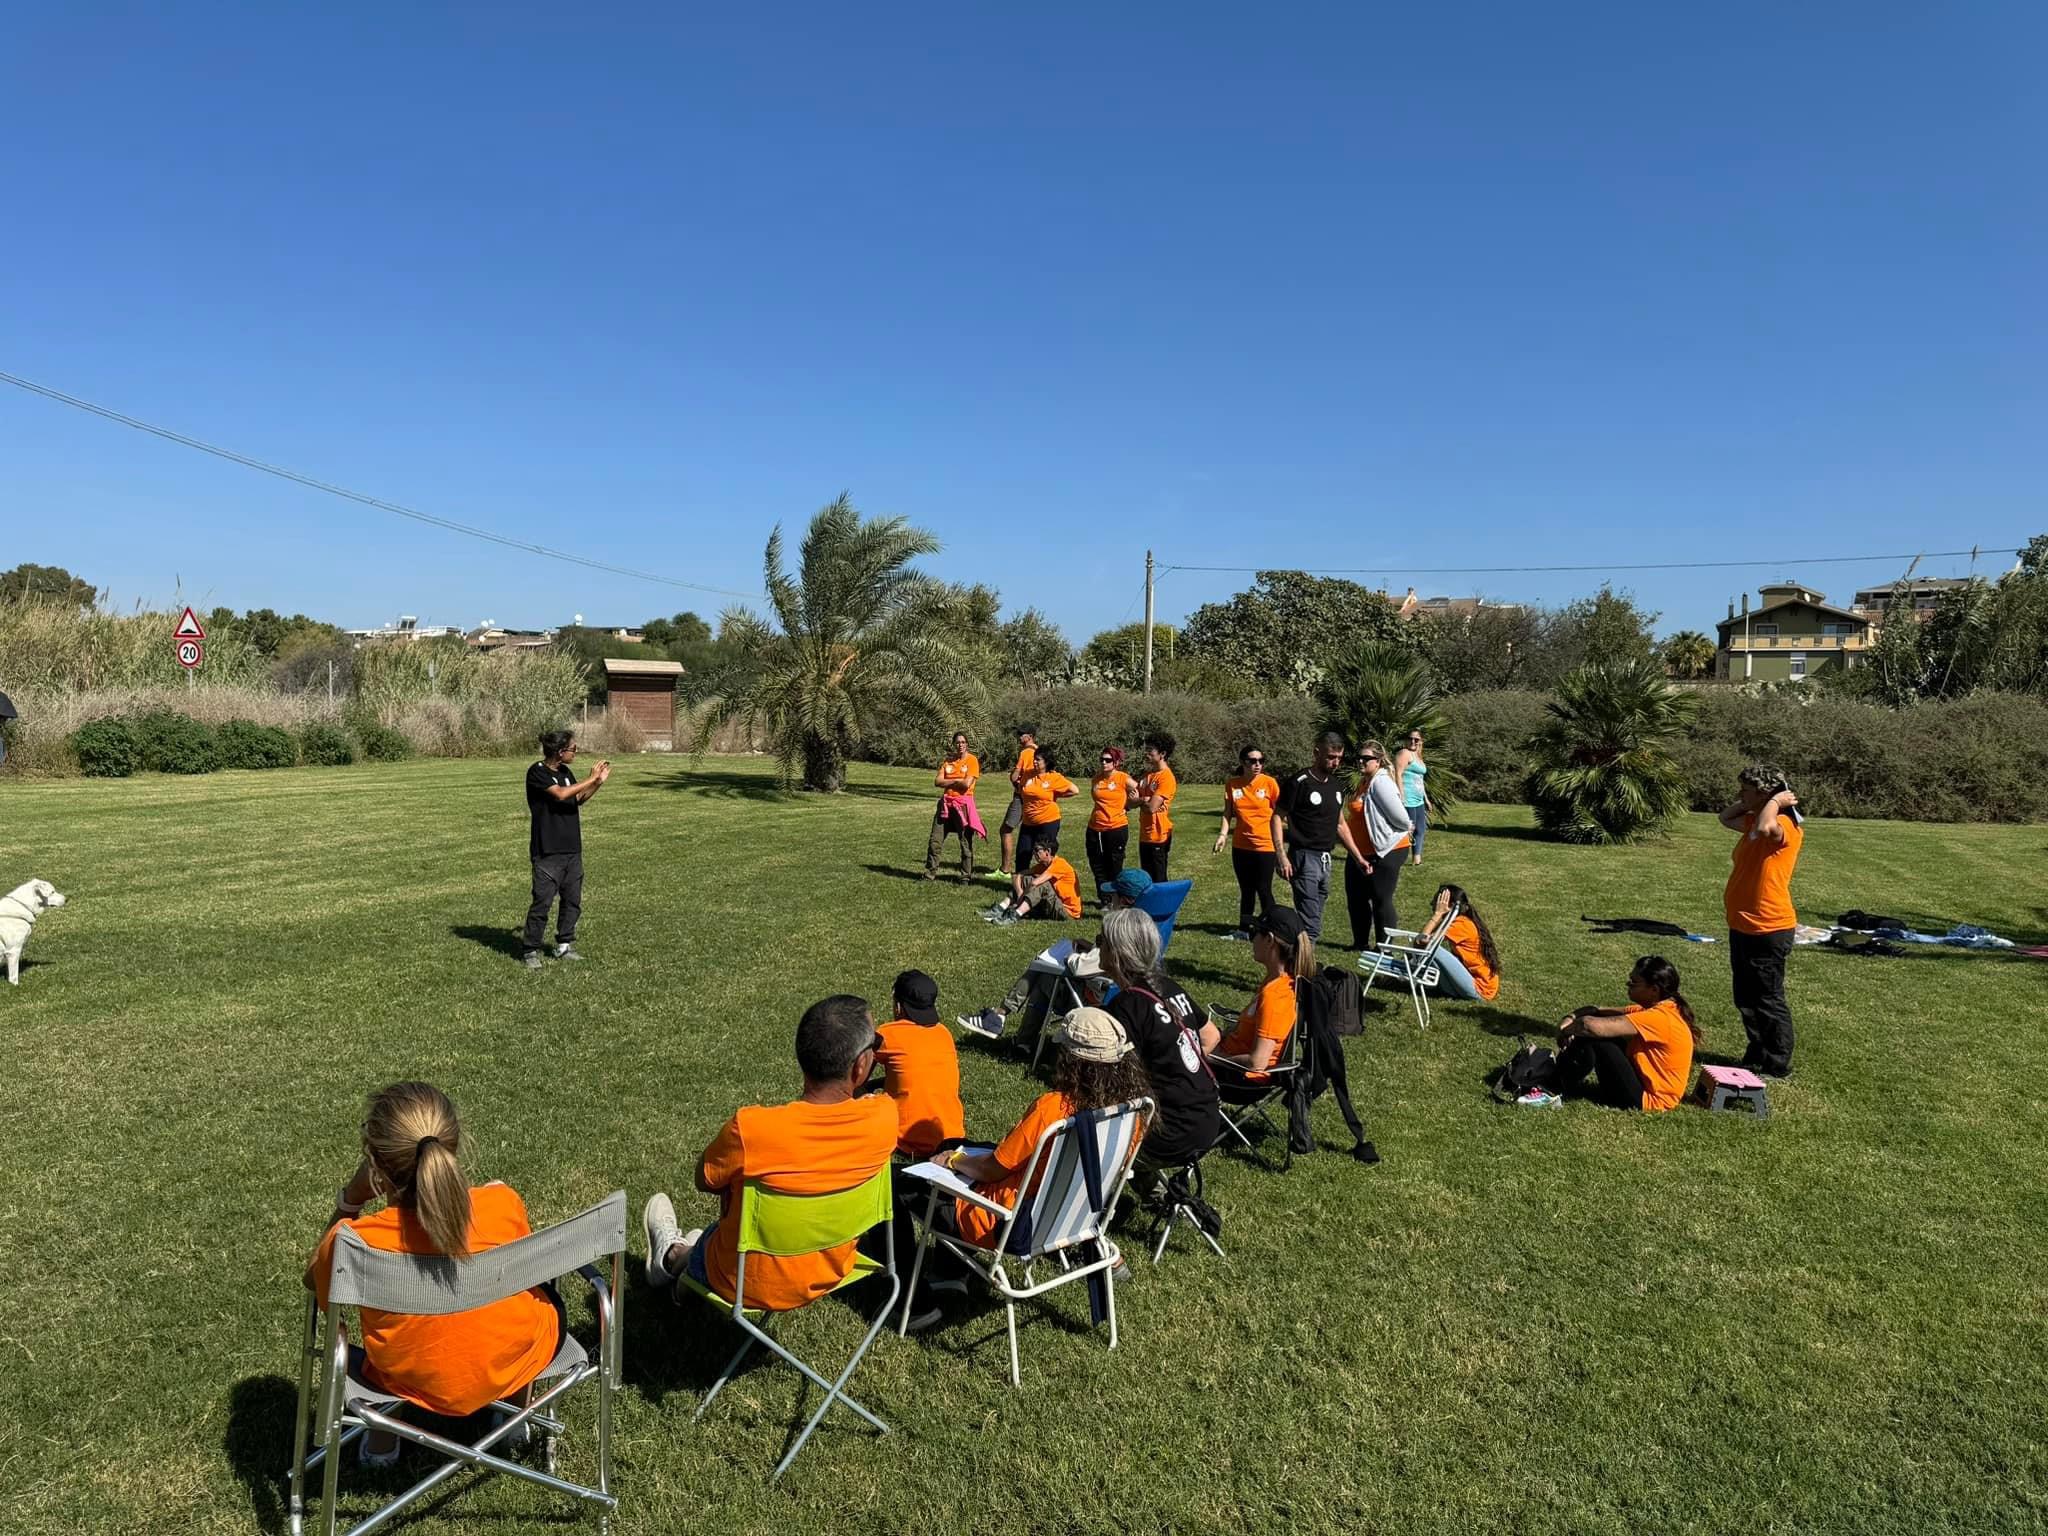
{"x":1413,"y":963}
{"x":1252,"y":1110}
{"x":1038,"y":1197}
{"x":348,"y":1409}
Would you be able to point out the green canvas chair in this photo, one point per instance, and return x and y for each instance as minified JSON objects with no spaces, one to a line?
{"x":786,"y":1226}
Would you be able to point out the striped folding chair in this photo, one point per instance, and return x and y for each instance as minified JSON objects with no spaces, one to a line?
{"x":1060,"y":1222}
{"x":784,"y":1225}
{"x":1400,"y":957}
{"x":433,"y":1286}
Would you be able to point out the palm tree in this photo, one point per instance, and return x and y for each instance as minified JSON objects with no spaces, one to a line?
{"x":1603,"y":773}
{"x":1689,"y":654}
{"x":855,"y":638}
{"x":1380,"y":691}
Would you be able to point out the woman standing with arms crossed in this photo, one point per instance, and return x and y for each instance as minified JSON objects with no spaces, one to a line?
{"x":1413,"y":773}
{"x":1109,"y":823}
{"x":1248,"y":801}
{"x":1155,"y":801}
{"x":1379,"y":825}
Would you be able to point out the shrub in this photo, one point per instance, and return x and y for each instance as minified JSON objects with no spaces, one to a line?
{"x":105,"y":749}
{"x":1490,"y":738}
{"x":382,"y":744}
{"x":245,"y":744}
{"x":326,"y":746}
{"x":168,"y":742}
{"x":1603,"y":771}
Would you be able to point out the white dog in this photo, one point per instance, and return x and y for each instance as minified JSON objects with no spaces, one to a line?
{"x":19,"y":909}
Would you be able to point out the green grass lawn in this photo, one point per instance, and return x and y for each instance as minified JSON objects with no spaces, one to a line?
{"x":1573,"y":1321}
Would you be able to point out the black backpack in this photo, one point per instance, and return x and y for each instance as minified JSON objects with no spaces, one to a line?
{"x":1532,"y":1066}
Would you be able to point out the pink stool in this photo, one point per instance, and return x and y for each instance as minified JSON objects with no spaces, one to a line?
{"x":1728,"y":1087}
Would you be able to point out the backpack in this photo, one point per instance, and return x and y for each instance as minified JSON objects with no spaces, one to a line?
{"x":1532,"y":1066}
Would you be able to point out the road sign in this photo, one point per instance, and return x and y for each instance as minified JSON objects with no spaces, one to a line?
{"x":188,"y":629}
{"x":190,"y":654}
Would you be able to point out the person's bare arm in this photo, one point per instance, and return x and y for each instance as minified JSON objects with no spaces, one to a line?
{"x":583,"y":791}
{"x":975,"y":1167}
{"x":1280,"y":860}
{"x":1599,"y":1023}
{"x":1351,"y":845}
{"x":1732,"y":817}
{"x":1768,"y":825}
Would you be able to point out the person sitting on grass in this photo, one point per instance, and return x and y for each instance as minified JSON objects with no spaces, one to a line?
{"x":830,"y":1138}
{"x":1050,"y":889}
{"x":921,"y":1069}
{"x":1281,"y":944}
{"x":455,"y":1364}
{"x":1639,"y":1055}
{"x":1467,"y":965}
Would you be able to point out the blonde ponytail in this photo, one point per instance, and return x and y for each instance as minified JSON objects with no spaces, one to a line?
{"x":415,"y":1143}
{"x":1302,"y":964}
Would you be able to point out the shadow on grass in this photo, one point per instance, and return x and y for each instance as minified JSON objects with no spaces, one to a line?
{"x":1516,"y":834}
{"x":914,"y":872}
{"x":505,"y":941}
{"x":728,"y":785}
{"x":258,"y":1443}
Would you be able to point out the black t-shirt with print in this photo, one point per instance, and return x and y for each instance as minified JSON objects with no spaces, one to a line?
{"x":1166,"y":1029}
{"x":557,"y":824}
{"x":1312,"y":806}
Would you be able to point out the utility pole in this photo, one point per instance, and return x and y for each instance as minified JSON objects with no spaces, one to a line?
{"x":1746,"y":656}
{"x":1148,"y":621}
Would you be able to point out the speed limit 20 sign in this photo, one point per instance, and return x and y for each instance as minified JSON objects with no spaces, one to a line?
{"x":190,"y":653}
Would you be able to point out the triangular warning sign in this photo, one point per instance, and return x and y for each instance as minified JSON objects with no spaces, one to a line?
{"x":188,"y":628}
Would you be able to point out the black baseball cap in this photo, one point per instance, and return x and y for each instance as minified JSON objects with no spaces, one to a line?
{"x":918,"y":996}
{"x":1283,"y":923}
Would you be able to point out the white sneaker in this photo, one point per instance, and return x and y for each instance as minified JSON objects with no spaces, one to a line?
{"x":659,"y":1219}
{"x":1539,"y":1098}
{"x":1237,"y":936}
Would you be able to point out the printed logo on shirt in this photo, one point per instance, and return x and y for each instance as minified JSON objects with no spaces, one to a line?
{"x":1237,"y":794}
{"x":1315,"y":797}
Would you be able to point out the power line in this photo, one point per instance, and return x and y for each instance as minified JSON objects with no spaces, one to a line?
{"x":431,"y":519}
{"x":1663,"y":565}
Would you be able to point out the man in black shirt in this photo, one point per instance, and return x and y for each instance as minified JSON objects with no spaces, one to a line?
{"x":1307,"y":824}
{"x":554,"y":799}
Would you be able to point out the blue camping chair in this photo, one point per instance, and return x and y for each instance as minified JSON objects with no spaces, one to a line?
{"x":1162,"y":904}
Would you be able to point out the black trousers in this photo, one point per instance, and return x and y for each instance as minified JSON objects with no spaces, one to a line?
{"x":555,"y":874}
{"x":1152,"y":857}
{"x":1758,"y":963}
{"x":1106,"y":853}
{"x":1254,"y":882}
{"x":1370,"y":898}
{"x":1617,"y":1084}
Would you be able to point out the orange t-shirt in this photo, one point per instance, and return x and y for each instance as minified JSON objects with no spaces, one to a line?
{"x":1661,"y":1052}
{"x":1249,"y":803}
{"x":1151,"y":828}
{"x":1027,"y":760}
{"x":1354,"y":818}
{"x":1271,"y":1017}
{"x":1014,"y":1151}
{"x":1462,"y":940}
{"x":968,"y":768}
{"x":801,"y":1149}
{"x":1112,"y":791}
{"x":1040,"y":808}
{"x":921,"y":1072}
{"x":453,"y":1364}
{"x":1066,"y":885}
{"x":1759,"y":893}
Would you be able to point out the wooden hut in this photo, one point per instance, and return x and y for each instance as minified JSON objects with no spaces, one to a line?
{"x":644,"y":692}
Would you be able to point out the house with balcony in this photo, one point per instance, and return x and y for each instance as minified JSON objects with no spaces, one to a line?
{"x":1793,"y":633}
{"x":1923,"y":593}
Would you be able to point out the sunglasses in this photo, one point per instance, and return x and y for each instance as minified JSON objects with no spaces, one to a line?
{"x":1256,"y":762}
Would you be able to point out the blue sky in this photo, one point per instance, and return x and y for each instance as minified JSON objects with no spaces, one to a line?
{"x":1328,"y":286}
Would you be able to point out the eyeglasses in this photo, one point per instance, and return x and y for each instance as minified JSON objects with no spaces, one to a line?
{"x":875,"y":1044}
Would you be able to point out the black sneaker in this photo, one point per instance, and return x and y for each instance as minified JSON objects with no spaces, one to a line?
{"x":928,"y":1318}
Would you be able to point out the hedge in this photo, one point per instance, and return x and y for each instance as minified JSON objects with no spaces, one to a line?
{"x":168,"y":742}
{"x":105,"y":749}
{"x":326,"y":746}
{"x":245,"y":744}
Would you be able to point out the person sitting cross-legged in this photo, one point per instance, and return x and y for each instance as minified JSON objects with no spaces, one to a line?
{"x":1050,"y":889}
{"x":921,"y":1069}
{"x":830,"y":1138}
{"x":1639,"y":1056}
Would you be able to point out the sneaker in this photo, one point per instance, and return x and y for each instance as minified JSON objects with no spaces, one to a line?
{"x":928,"y":1318}
{"x":531,"y":959}
{"x":518,"y":1440}
{"x":988,"y":1023}
{"x":952,"y":1285}
{"x":1002,"y":875}
{"x":658,"y":1218}
{"x":1539,"y":1098}
{"x":1007,"y":919}
{"x":566,"y":952}
{"x":1237,"y":936}
{"x":377,"y":1461}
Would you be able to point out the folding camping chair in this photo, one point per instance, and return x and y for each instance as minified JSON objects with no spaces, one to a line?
{"x":784,"y":1225}
{"x":1181,"y":1200}
{"x":1245,"y":1097}
{"x":1413,"y":963}
{"x":1162,"y":903}
{"x":434,"y":1286}
{"x":1057,"y":1214}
